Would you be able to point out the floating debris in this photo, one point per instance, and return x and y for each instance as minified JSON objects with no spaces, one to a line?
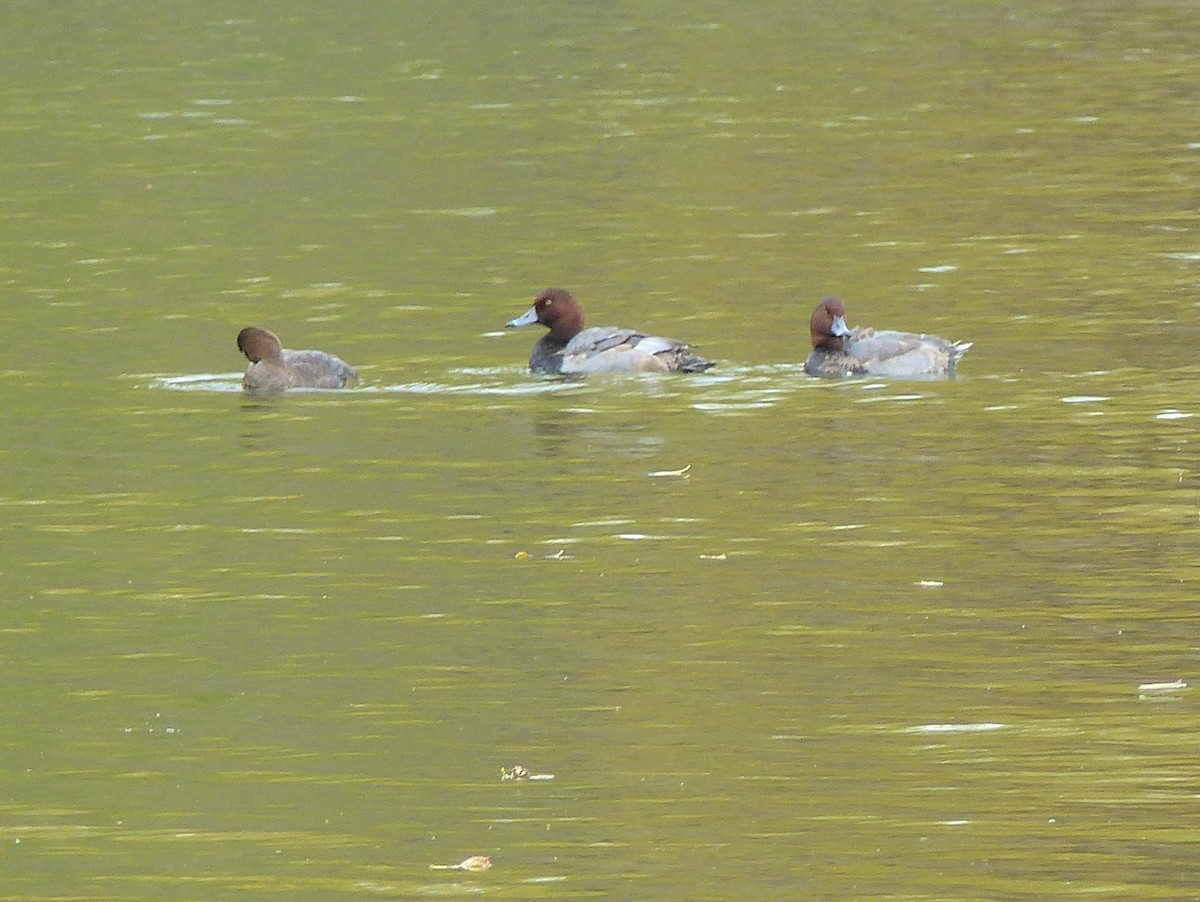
{"x":559,"y":555}
{"x":521,"y":555}
{"x":474,"y":863}
{"x":713,"y":557}
{"x":683,"y":472}
{"x":520,"y":772}
{"x":929,"y":583}
{"x":1162,"y":687}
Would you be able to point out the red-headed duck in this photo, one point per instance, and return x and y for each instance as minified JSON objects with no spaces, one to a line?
{"x":274,"y":368}
{"x":570,"y":348}
{"x":839,"y":350}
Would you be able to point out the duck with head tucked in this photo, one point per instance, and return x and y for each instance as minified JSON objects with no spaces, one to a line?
{"x":570,"y":348}
{"x":275,"y":368}
{"x":838,"y":350}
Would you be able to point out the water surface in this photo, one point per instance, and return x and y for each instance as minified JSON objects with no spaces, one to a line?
{"x":880,"y":639}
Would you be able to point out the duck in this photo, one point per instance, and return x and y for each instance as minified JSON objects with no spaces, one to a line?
{"x":275,"y":368}
{"x":838,"y":350}
{"x":568,"y":348}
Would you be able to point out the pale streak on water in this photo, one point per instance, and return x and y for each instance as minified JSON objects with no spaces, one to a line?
{"x":873,"y":640}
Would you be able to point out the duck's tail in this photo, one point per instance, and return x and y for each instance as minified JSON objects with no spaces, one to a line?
{"x":693,"y":364}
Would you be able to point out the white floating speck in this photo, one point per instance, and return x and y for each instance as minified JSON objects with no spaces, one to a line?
{"x":1084,"y":399}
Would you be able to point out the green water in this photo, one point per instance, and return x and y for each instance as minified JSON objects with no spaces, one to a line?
{"x":880,"y":641}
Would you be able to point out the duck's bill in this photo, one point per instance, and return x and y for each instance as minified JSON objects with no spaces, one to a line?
{"x":528,"y":318}
{"x":839,"y":326}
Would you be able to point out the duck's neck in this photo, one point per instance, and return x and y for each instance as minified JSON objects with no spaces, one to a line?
{"x":567,"y":325}
{"x":824,"y":341}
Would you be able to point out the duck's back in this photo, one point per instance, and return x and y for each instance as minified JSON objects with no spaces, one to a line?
{"x":300,"y":369}
{"x":317,"y":369}
{"x":903,"y":354}
{"x":900,"y":355}
{"x":608,"y":349}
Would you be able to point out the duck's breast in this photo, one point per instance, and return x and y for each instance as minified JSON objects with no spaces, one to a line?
{"x":267,"y":376}
{"x":832,"y":363}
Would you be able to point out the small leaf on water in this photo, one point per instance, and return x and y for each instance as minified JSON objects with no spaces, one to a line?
{"x":519,"y":772}
{"x":474,"y":863}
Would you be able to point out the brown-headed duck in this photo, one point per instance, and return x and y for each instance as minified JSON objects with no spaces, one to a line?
{"x":839,"y":350}
{"x":570,"y":348}
{"x":274,"y":368}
